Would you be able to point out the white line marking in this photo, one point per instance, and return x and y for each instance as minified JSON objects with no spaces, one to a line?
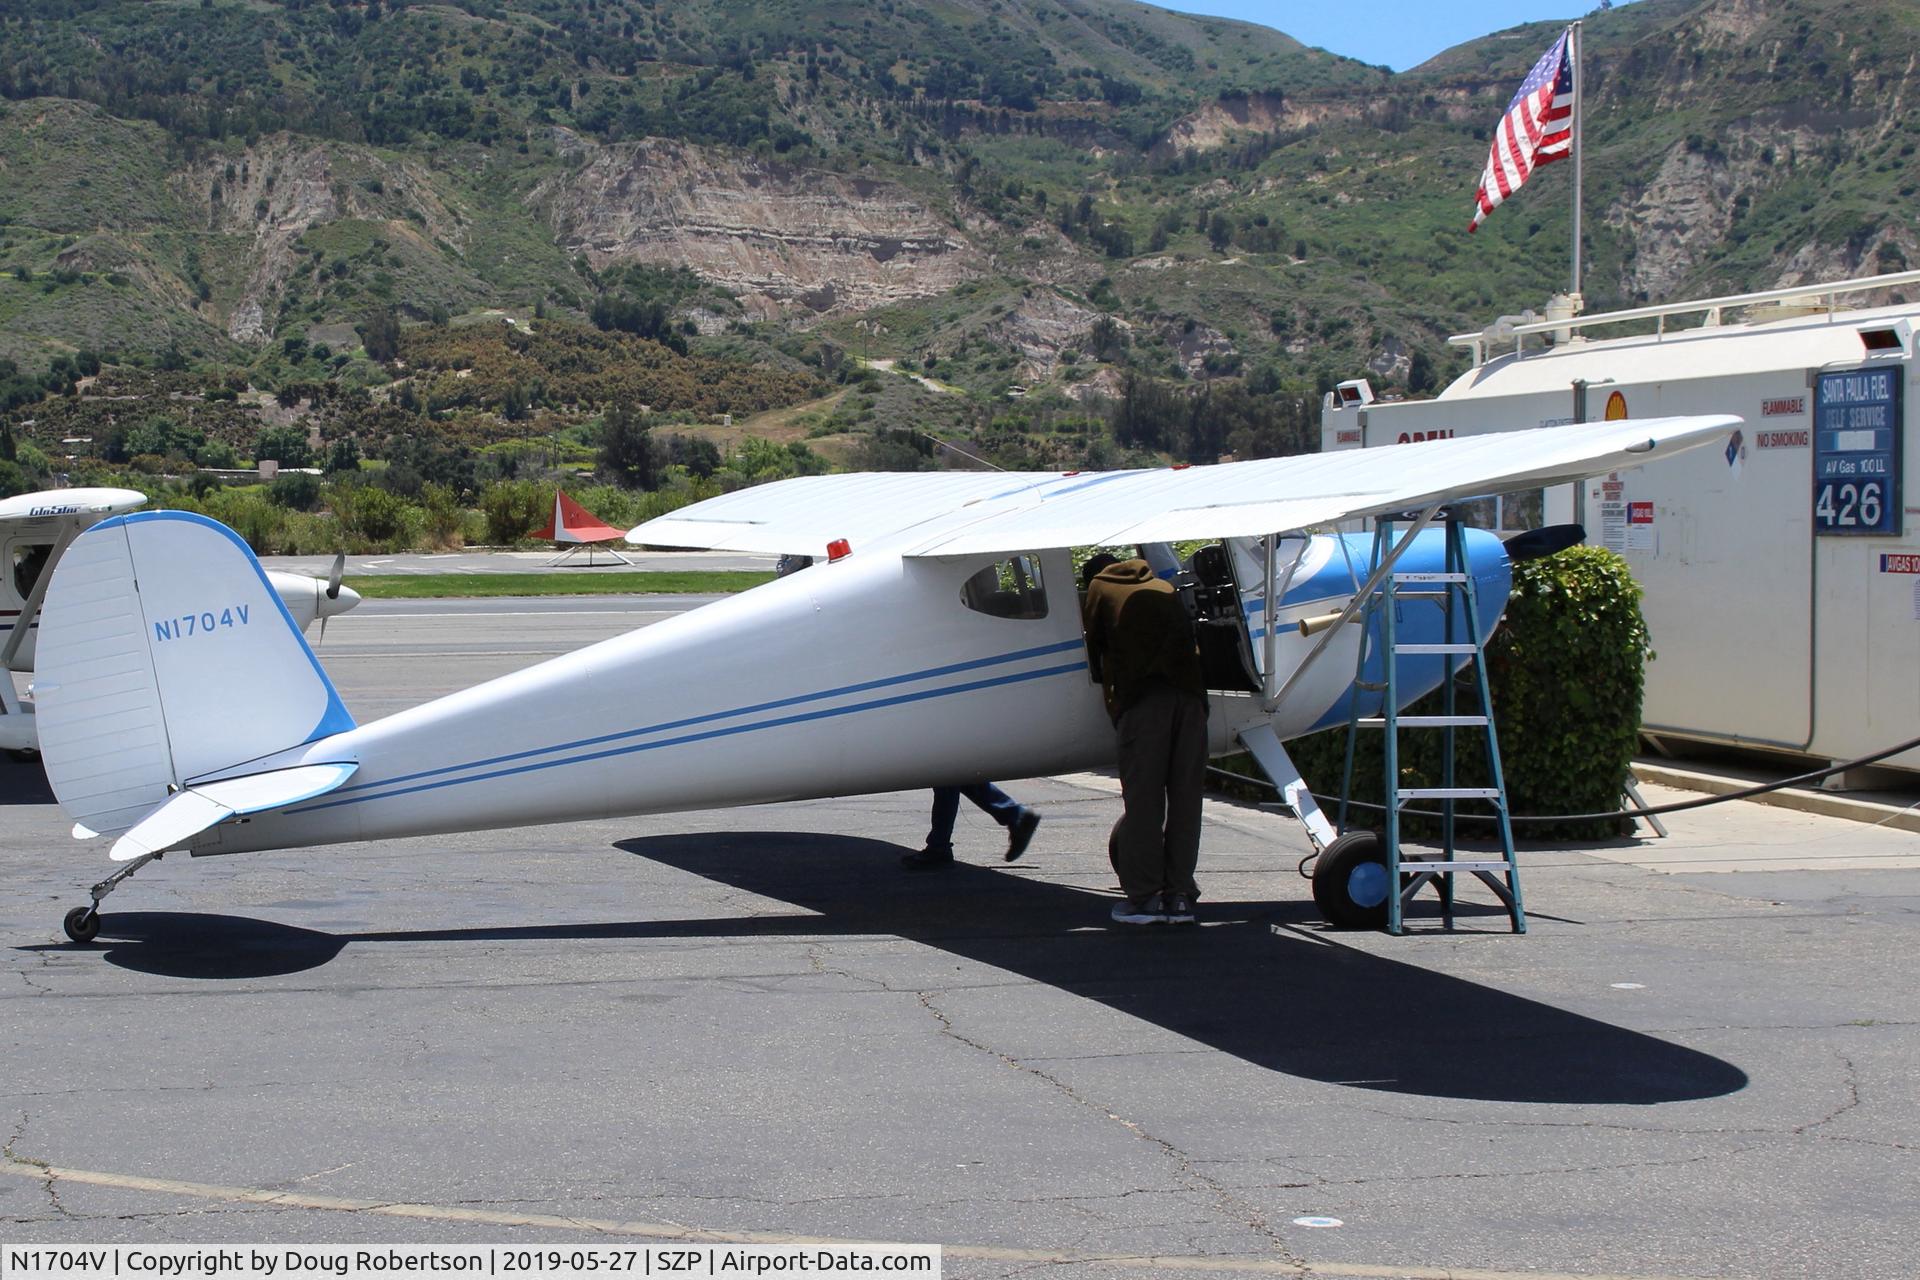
{"x":1213,"y":1264}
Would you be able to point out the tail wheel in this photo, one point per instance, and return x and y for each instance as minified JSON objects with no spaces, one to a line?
{"x":82,"y":924}
{"x":1350,"y":882}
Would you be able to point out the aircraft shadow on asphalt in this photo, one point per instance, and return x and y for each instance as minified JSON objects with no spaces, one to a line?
{"x":1287,"y":1001}
{"x":23,"y":781}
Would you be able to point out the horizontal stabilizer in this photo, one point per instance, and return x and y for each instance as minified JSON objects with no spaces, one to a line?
{"x":188,"y":813}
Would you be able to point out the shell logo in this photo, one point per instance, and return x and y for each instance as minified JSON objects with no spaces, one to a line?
{"x":1616,"y":407}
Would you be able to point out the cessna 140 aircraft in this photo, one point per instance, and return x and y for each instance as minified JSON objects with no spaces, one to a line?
{"x":938,"y":641}
{"x":35,"y":530}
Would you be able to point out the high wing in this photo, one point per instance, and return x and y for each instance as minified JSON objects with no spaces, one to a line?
{"x":950,"y":514}
{"x":802,"y":515}
{"x":80,"y":506}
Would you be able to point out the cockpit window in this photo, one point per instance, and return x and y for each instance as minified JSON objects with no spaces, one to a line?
{"x":1007,"y":589}
{"x":29,"y":562}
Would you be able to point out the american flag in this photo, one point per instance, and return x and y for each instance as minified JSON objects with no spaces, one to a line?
{"x":1537,"y":129}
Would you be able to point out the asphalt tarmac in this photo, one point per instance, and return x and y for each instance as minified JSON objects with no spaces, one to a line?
{"x":1700,"y":1061}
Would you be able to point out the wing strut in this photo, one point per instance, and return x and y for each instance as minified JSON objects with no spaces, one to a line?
{"x":1358,"y":602}
{"x":1264,"y":745}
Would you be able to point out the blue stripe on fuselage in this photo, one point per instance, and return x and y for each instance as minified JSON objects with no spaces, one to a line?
{"x":930,"y":673}
{"x":729,"y":731}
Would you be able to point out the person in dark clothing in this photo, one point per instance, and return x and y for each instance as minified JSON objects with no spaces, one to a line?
{"x":1018,"y":819}
{"x":1141,"y":643}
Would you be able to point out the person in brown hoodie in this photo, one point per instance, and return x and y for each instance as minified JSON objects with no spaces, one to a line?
{"x":1141,"y":643}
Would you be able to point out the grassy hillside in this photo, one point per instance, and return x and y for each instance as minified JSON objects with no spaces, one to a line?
{"x":1064,"y":215}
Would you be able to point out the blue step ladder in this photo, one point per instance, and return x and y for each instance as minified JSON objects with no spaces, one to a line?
{"x":1452,"y":591}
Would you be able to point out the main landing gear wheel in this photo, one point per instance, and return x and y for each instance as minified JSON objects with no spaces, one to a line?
{"x":82,"y":924}
{"x":1350,"y":884}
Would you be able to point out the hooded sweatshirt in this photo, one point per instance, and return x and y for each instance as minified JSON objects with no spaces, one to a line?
{"x":1139,"y":635}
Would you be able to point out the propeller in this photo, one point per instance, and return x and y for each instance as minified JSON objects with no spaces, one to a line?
{"x":332,"y":591}
{"x":1544,"y":541}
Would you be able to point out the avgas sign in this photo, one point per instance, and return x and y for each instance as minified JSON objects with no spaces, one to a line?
{"x":1857,"y":427}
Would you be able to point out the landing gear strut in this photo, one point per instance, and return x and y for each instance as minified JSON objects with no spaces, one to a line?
{"x":83,"y":923}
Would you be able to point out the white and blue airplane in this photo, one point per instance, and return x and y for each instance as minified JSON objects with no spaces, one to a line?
{"x":35,"y":530}
{"x":937,"y":639}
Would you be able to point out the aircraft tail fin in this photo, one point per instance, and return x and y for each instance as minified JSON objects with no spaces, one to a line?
{"x":166,"y":658}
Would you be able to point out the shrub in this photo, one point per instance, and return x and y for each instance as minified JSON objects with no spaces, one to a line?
{"x":252,"y":517}
{"x":515,"y":508}
{"x":370,"y":514}
{"x":443,"y":517}
{"x":1568,"y":672}
{"x":295,"y":491}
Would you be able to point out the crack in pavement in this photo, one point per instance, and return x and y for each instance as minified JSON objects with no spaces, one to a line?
{"x":1465,"y":1175}
{"x":1851,"y":1082}
{"x":1188,"y":1168}
{"x":46,"y":1177}
{"x":1850,"y":1102}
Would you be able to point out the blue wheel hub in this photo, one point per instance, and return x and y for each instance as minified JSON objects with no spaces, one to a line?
{"x":1367,"y":884}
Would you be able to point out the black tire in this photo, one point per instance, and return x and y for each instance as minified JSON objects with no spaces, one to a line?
{"x":1350,"y":882}
{"x":25,"y":755}
{"x":82,"y":924}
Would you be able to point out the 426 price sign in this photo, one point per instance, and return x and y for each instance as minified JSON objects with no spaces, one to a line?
{"x":1856,"y":452}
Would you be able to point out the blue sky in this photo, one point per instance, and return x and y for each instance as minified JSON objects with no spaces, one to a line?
{"x":1396,"y":33}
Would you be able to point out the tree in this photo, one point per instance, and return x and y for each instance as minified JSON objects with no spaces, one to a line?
{"x":285,"y":445}
{"x":343,"y":456}
{"x":380,"y":334}
{"x":1219,"y":232}
{"x":1420,"y":376}
{"x":296,"y":491}
{"x":699,"y":455}
{"x":217,"y":454}
{"x":626,"y":448}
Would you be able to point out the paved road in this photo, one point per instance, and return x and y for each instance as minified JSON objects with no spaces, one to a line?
{"x":753,"y":1021}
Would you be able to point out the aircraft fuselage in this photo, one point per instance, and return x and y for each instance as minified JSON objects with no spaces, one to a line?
{"x":865,"y":675}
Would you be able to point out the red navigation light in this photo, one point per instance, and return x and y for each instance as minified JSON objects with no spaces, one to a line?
{"x":838,"y":549}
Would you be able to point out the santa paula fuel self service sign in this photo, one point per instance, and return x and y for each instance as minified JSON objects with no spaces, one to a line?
{"x":1856,"y":452}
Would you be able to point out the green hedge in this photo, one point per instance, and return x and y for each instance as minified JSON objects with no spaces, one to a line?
{"x":1567,"y":668}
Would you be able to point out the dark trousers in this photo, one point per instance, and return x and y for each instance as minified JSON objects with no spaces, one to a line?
{"x":1002,"y":807}
{"x":1163,"y":765}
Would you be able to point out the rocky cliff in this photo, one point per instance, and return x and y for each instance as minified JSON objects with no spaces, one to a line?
{"x":785,"y":239}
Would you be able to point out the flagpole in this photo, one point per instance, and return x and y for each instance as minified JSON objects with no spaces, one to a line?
{"x":1579,"y":152}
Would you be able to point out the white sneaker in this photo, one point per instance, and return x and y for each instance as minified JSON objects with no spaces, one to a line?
{"x":1152,"y":911}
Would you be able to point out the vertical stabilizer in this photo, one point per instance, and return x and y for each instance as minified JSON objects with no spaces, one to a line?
{"x":166,"y":656}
